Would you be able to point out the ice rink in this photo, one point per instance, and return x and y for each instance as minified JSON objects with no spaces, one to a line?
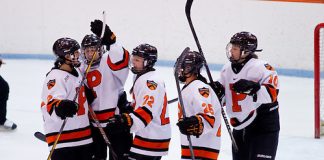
{"x":25,"y":78}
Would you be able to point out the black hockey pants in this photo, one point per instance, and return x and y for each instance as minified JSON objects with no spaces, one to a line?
{"x":259,"y":140}
{"x":120,"y":143}
{"x":83,"y":152}
{"x":135,"y":156}
{"x":4,"y":93}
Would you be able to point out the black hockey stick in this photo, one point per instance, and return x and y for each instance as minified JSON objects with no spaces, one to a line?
{"x":187,"y":10}
{"x":172,"y":100}
{"x":177,"y":65}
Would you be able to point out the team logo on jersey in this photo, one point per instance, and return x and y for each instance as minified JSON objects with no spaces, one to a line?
{"x":269,"y":67}
{"x":51,"y":84}
{"x":204,"y":92}
{"x":151,"y":85}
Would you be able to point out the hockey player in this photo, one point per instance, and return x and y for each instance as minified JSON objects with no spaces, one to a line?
{"x":251,"y":90}
{"x":203,"y":112}
{"x":59,"y":89}
{"x":5,"y":124}
{"x":106,"y":81}
{"x":150,"y":118}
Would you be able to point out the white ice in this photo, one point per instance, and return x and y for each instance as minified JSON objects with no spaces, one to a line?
{"x":25,"y":78}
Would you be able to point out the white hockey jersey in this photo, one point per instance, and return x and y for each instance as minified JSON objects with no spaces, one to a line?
{"x":241,"y":108}
{"x":59,"y":85}
{"x":200,"y":99}
{"x":151,"y":123}
{"x":107,"y":81}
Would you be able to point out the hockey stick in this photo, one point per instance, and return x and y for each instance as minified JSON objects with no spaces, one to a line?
{"x":40,"y":136}
{"x":187,"y":10}
{"x":172,"y":100}
{"x":177,"y":65}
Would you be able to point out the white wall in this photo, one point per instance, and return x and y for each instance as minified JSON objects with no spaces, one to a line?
{"x":285,"y":30}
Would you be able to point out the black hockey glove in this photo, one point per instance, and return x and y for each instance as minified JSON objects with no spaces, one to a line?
{"x":108,"y":38}
{"x":119,"y":123}
{"x":191,"y":126}
{"x":246,"y":87}
{"x":66,"y":108}
{"x":123,"y":104}
{"x":218,"y":89}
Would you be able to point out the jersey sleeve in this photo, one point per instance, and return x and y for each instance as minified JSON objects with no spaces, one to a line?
{"x":117,"y":60}
{"x":269,"y":83}
{"x":149,"y":100}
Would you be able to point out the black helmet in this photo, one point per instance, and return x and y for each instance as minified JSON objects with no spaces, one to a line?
{"x":247,"y":41}
{"x":64,"y":46}
{"x":148,"y":52}
{"x":191,"y":63}
{"x":92,"y":41}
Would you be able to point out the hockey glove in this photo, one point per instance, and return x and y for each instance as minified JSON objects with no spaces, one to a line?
{"x":218,"y":89}
{"x":1,"y":62}
{"x":123,"y":104}
{"x":66,"y":108}
{"x":191,"y":126}
{"x":246,"y":87}
{"x":108,"y":38}
{"x":119,"y":123}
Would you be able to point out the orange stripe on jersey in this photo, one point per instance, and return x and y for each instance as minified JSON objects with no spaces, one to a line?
{"x":104,"y":115}
{"x":144,"y":114}
{"x":50,"y":104}
{"x":209,"y":119}
{"x":42,"y":104}
{"x":120,"y":64}
{"x":69,"y":136}
{"x":151,"y":144}
{"x":200,"y":153}
{"x":272,"y":92}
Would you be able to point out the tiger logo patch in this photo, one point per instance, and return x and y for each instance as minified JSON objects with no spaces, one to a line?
{"x":151,"y":85}
{"x":269,"y":67}
{"x":50,"y":84}
{"x":204,"y":91}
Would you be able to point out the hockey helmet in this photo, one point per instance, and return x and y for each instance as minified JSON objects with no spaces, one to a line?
{"x":246,"y":41}
{"x":89,"y":45}
{"x":191,"y":63}
{"x":148,"y":53}
{"x":67,"y":46}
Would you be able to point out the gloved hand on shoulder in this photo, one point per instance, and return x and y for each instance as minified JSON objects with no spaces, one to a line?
{"x":218,"y":89}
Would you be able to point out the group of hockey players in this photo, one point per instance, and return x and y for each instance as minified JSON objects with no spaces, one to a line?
{"x":140,"y":129}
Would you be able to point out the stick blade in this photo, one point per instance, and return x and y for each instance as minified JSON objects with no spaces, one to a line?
{"x":40,"y":136}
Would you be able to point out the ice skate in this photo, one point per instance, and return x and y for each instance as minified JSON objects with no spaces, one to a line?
{"x":8,"y":125}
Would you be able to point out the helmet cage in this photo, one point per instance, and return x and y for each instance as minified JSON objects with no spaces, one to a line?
{"x":91,"y":43}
